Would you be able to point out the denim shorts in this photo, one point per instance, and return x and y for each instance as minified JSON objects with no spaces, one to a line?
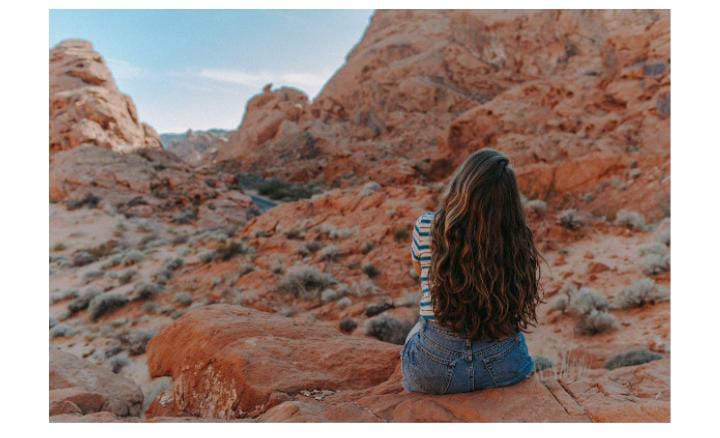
{"x":436,"y":360}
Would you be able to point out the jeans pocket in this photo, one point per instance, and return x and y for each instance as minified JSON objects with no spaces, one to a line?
{"x":426,"y":372}
{"x":510,"y":366}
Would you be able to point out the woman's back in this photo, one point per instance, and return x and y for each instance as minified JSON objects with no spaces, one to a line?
{"x":479,"y":277}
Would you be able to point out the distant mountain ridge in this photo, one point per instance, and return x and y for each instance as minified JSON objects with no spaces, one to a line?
{"x":170,"y":137}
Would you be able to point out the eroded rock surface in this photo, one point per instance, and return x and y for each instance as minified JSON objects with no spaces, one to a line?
{"x":230,"y":362}
{"x":86,"y":107}
{"x":578,"y":99}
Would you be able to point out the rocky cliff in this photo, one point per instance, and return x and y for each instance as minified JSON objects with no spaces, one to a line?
{"x":86,"y":106}
{"x":583,"y":94}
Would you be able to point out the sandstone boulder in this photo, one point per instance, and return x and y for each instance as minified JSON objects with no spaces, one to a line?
{"x":228,"y":361}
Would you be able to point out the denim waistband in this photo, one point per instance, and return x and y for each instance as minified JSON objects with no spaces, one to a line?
{"x":445,"y":331}
{"x":455,"y":341}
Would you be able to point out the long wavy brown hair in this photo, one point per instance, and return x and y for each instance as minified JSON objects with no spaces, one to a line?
{"x":485,"y":271}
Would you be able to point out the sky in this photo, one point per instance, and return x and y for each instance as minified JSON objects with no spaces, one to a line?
{"x":197,"y":68}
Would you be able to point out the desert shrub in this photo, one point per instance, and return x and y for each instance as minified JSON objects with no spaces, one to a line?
{"x":330,"y":252}
{"x":309,"y":247}
{"x":132,"y":257}
{"x":370,"y":270}
{"x":388,"y":329}
{"x":295,"y":233}
{"x":305,"y":281}
{"x":56,"y":297}
{"x":344,"y":303}
{"x":226,"y":251}
{"x":367,"y":247}
{"x":630,"y":219}
{"x":641,"y":292}
{"x":654,"y":264}
{"x":559,"y":303}
{"x":347,"y":325}
{"x":570,"y":219}
{"x":174,"y":264}
{"x":145,"y":291}
{"x":369,"y":188}
{"x":183,"y":298}
{"x":277,"y":267}
{"x":334,"y":233}
{"x":118,"y":362}
{"x":587,"y":300}
{"x":185,"y":217}
{"x":536,"y":206}
{"x":596,"y":322}
{"x":231,"y":249}
{"x":83,"y":301}
{"x":288,"y":312}
{"x":664,"y":237}
{"x":284,"y":191}
{"x":126,"y":276}
{"x":91,"y":276}
{"x":53,"y":322}
{"x":329,"y":295}
{"x":162,"y":276}
{"x":542,"y":363}
{"x":145,"y":240}
{"x":632,"y":358}
{"x":88,"y":200}
{"x":82,"y":258}
{"x":104,"y":304}
{"x":245,"y":269}
{"x":179,"y":240}
{"x":401,"y":235}
{"x":59,"y":247}
{"x":377,"y":308}
{"x":364,"y":288}
{"x":138,"y":341}
{"x":151,"y":308}
{"x":61,"y":330}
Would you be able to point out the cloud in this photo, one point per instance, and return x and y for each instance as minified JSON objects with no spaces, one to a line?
{"x":307,"y":81}
{"x":124,"y":69}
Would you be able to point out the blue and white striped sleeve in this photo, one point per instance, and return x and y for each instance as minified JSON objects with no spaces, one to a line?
{"x":420,"y":247}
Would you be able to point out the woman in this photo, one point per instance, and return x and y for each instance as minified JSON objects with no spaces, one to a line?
{"x":479,"y":275}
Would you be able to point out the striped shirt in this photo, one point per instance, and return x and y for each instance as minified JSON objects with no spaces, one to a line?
{"x":420,"y":252}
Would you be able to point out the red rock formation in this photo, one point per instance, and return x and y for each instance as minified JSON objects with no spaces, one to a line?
{"x":194,"y":146}
{"x":556,"y":90}
{"x":147,"y":182}
{"x":86,"y":106}
{"x":229,"y":362}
